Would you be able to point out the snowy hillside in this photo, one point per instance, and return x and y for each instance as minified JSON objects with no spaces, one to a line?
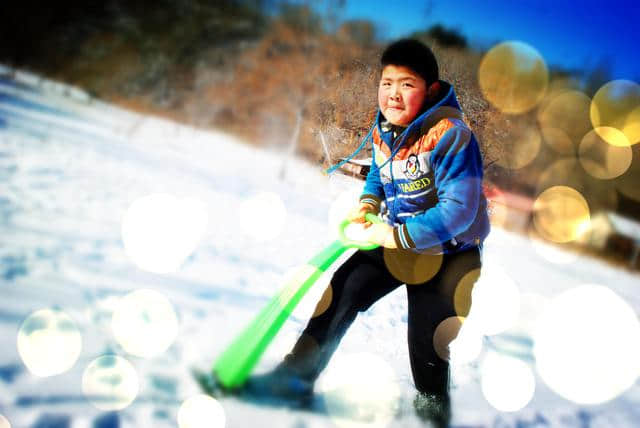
{"x":70,"y":169}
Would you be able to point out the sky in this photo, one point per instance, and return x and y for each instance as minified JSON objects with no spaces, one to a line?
{"x":571,"y":34}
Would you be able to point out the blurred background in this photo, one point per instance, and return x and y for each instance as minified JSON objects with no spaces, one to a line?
{"x":105,"y":104}
{"x":300,"y":76}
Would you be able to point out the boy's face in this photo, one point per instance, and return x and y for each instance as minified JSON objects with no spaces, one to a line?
{"x":401,"y":94}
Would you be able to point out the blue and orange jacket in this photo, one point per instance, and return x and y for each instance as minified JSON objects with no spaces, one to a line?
{"x":427,"y":181}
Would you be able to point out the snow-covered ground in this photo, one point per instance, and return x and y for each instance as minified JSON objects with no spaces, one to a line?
{"x":70,"y":167}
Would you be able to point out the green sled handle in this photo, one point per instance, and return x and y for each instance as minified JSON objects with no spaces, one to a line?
{"x":235,"y":363}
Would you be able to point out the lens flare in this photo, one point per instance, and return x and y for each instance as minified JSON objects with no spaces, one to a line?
{"x":263,"y":216}
{"x":616,"y":105}
{"x":496,"y":301}
{"x":201,"y":411}
{"x":601,"y":159}
{"x":144,"y":323}
{"x":560,"y":214}
{"x":49,"y":342}
{"x":508,"y":384}
{"x":356,"y":399}
{"x":412,"y":268}
{"x":513,"y":77}
{"x":587,"y":345}
{"x":160,"y":231}
{"x":4,"y":423}
{"x":110,"y":383}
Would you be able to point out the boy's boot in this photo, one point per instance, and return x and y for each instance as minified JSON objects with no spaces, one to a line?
{"x":433,"y":408}
{"x":281,"y":385}
{"x":433,"y":403}
{"x":291,"y":382}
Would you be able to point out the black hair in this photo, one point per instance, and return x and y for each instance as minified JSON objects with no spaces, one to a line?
{"x":412,"y":54}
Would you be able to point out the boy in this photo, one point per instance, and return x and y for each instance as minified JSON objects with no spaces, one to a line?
{"x":426,"y":182}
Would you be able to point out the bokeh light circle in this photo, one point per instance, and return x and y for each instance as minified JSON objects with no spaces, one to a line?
{"x":201,"y":411}
{"x":558,"y":140}
{"x":616,"y":105}
{"x":144,"y":323}
{"x":631,"y":128}
{"x":496,"y":301}
{"x":4,"y":423}
{"x":627,"y":183}
{"x":521,"y":147}
{"x":508,"y":384}
{"x":263,"y":216}
{"x":565,"y":120}
{"x":601,"y":159}
{"x":410,"y":267}
{"x":49,"y":342}
{"x":497,"y":207}
{"x":160,"y":231}
{"x":613,"y":137}
{"x":552,"y":252}
{"x":462,"y":296}
{"x":110,"y":383}
{"x":555,"y":87}
{"x":354,"y":397}
{"x":587,"y":344}
{"x":292,"y":281}
{"x":340,"y":208}
{"x":446,"y":332}
{"x":358,"y":232}
{"x":466,"y":347}
{"x":561,"y":214}
{"x":324,"y":302}
{"x":569,"y":172}
{"x":531,"y":307}
{"x":513,"y":77}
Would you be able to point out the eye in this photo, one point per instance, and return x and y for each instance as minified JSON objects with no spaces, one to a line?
{"x":385,"y":84}
{"x":407,"y":85}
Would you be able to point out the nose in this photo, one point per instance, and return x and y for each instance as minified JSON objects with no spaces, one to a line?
{"x":395,"y":93}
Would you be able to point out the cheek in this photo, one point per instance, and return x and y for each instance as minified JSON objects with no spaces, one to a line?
{"x":382,"y":99}
{"x":414,"y":101}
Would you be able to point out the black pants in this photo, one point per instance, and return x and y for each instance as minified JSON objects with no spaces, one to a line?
{"x":361,"y":281}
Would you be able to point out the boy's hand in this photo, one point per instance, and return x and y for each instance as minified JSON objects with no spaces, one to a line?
{"x":381,"y":234}
{"x":357,"y":213}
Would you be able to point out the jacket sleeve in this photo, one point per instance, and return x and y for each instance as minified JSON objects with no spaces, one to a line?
{"x":457,"y":165}
{"x":373,"y":192}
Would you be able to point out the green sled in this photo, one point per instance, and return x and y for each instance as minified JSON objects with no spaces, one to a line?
{"x":234,"y":365}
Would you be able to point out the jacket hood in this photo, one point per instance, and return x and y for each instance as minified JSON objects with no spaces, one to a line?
{"x":446,"y":106}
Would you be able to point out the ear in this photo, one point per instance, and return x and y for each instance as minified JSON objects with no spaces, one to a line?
{"x":433,"y":90}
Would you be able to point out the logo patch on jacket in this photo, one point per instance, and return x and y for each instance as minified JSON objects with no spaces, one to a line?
{"x":415,"y":185}
{"x":412,"y":168}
